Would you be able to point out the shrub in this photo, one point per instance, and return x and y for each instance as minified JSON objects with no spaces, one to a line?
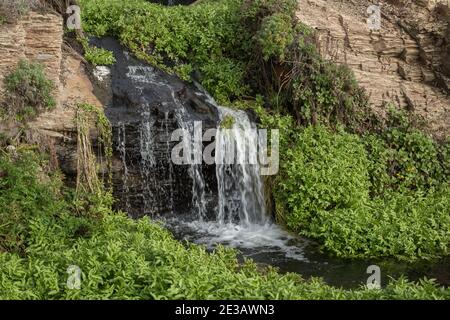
{"x":323,"y":192}
{"x":97,"y":56}
{"x":406,"y":226}
{"x":205,"y":37}
{"x":323,"y":92}
{"x":28,"y":91}
{"x":223,"y":80}
{"x":23,"y":196}
{"x":222,"y":40}
{"x":11,"y":10}
{"x":324,"y":172}
{"x":275,"y":36}
{"x":404,"y":158}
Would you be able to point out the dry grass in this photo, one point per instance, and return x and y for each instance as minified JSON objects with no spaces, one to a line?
{"x":12,"y":10}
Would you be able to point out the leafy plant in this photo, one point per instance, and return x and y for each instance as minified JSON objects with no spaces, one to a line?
{"x":28,"y":91}
{"x":97,"y":56}
{"x":331,"y":189}
{"x":227,"y":122}
{"x":25,"y":193}
{"x":326,"y":172}
{"x":275,"y":36}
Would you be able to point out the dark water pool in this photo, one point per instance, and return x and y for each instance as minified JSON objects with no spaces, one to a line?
{"x":271,"y":245}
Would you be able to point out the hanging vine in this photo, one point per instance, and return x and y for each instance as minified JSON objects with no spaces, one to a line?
{"x":88,"y":164}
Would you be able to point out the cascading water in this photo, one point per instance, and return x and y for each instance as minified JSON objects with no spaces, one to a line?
{"x":240,"y":187}
{"x":195,"y":169}
{"x":240,"y":218}
{"x":147,"y":106}
{"x":121,"y":148}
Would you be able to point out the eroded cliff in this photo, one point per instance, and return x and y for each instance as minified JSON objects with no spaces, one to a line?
{"x":405,"y":63}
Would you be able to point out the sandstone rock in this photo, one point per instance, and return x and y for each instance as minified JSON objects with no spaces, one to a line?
{"x":39,"y":37}
{"x":400,"y":64}
{"x":36,"y":37}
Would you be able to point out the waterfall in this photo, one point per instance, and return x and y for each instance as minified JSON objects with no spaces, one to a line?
{"x":240,"y":197}
{"x":151,"y":160}
{"x":218,"y":201}
{"x":195,"y":169}
{"x":168,"y":152}
{"x":240,"y":187}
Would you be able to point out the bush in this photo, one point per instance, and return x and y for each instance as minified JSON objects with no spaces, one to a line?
{"x":323,"y":92}
{"x":11,"y":10}
{"x":324,"y":172}
{"x":97,"y":56}
{"x":222,"y":40}
{"x":206,"y":37}
{"x":331,"y":189}
{"x":403,"y":158}
{"x":28,"y":91}
{"x":275,"y":36}
{"x":223,"y":80}
{"x":405,"y":226}
{"x":23,"y":196}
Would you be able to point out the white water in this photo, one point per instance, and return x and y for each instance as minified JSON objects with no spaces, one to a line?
{"x":141,"y":77}
{"x":240,"y":187}
{"x":241,"y":219}
{"x":121,"y":147}
{"x":258,"y":238}
{"x":195,"y":170}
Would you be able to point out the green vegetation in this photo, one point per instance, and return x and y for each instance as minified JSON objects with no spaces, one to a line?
{"x":201,"y":36}
{"x":96,"y":56}
{"x":125,"y":259}
{"x":324,"y":190}
{"x":215,"y":38}
{"x":239,"y":48}
{"x":27,"y":92}
{"x":227,"y":122}
{"x":364,"y":187}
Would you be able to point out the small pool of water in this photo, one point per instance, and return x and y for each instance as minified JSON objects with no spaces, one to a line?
{"x":269,"y":244}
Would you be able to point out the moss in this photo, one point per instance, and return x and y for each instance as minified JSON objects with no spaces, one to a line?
{"x":227,"y":122}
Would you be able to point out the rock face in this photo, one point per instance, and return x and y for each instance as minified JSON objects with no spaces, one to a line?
{"x":145,"y":106}
{"x":39,"y":37}
{"x":406,"y":62}
{"x":36,"y":37}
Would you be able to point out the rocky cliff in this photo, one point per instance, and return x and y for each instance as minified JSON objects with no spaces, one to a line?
{"x":38,"y":37}
{"x":406,"y":62}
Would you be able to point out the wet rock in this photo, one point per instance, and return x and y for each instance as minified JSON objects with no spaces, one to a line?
{"x":146,"y":107}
